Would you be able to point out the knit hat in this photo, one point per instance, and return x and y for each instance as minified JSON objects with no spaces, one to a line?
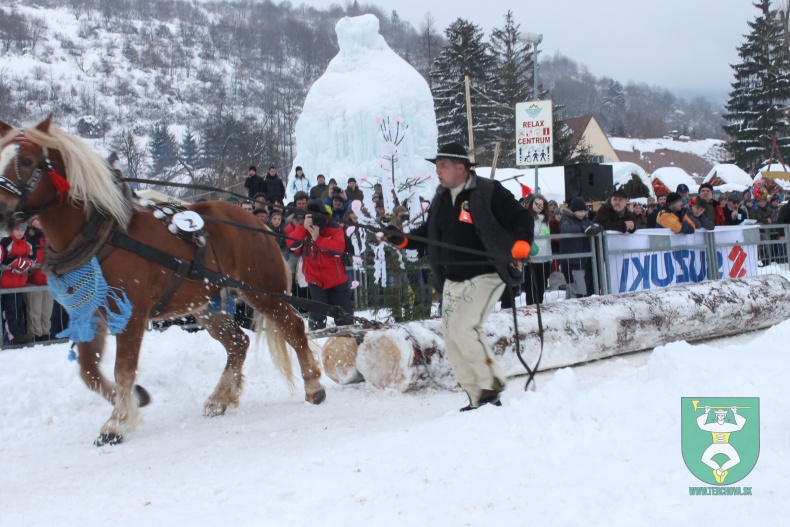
{"x":454,"y":151}
{"x":673,"y":197}
{"x":707,"y":186}
{"x":273,"y":214}
{"x":776,"y":198}
{"x":252,"y":167}
{"x":352,"y":179}
{"x":578,"y":204}
{"x":619,"y":194}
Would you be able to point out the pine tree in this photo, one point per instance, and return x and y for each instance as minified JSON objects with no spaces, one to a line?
{"x":163,"y":150}
{"x":190,"y":150}
{"x":466,"y":54}
{"x":514,"y":67}
{"x":757,"y":107}
{"x":614,"y":101}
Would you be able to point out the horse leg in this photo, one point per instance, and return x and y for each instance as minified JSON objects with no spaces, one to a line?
{"x":290,"y":327}
{"x":89,"y":359}
{"x":125,"y":415}
{"x":224,"y":329}
{"x":90,"y":354}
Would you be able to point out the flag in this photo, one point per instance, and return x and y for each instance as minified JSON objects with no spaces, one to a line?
{"x":525,"y":190}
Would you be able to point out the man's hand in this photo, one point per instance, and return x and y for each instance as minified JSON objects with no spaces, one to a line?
{"x":314,"y":231}
{"x":394,"y":236}
{"x":308,"y":221}
{"x":629,"y":225}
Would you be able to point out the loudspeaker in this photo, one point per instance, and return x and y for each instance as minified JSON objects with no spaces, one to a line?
{"x":592,"y":181}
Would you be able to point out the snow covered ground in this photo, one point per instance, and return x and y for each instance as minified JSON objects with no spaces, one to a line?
{"x":595,"y":445}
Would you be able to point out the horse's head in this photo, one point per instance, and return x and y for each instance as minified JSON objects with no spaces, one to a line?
{"x":30,"y":181}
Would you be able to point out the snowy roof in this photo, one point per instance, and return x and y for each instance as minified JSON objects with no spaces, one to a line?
{"x":624,"y":171}
{"x":671,"y":177}
{"x":729,"y":174}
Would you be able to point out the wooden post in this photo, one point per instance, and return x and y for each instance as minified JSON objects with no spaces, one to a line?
{"x":469,"y":119}
{"x":496,"y":158}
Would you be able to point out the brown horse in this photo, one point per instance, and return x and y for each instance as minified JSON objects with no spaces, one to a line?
{"x":46,"y":171}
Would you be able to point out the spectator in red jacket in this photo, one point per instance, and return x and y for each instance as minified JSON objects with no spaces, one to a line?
{"x":321,"y":243}
{"x":16,"y":255}
{"x":39,"y":303}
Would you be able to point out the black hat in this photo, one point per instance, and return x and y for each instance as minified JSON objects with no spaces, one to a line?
{"x":320,"y":175}
{"x":673,"y":197}
{"x":775,"y":197}
{"x":454,"y":151}
{"x":332,"y":180}
{"x":252,"y":167}
{"x":682,"y":188}
{"x":619,"y":194}
{"x":578,"y":204}
{"x":316,"y":205}
{"x":259,"y":210}
{"x":707,"y":186}
{"x":352,"y":179}
{"x":735,"y":197}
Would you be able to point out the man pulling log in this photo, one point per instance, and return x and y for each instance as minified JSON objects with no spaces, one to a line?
{"x":479,"y":214}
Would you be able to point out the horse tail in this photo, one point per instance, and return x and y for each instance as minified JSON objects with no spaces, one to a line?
{"x":275,"y":338}
{"x":277,"y":347}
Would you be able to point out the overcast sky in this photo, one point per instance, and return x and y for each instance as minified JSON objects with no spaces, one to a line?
{"x":684,"y":45}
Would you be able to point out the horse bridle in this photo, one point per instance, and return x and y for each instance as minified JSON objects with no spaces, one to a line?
{"x":24,"y":189}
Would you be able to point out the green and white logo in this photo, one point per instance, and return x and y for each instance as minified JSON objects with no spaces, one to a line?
{"x":720,"y":437}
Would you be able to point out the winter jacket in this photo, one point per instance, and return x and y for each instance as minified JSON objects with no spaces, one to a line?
{"x":318,"y":190}
{"x":784,"y":214}
{"x":14,"y":252}
{"x":714,"y":212}
{"x":355,"y":194}
{"x":254,"y":185}
{"x":542,"y":229}
{"x":762,"y":215}
{"x":273,"y":188}
{"x":677,"y":222}
{"x":485,"y":217}
{"x":611,"y":220}
{"x":700,"y":222}
{"x":728,"y":219}
{"x":570,"y":224}
{"x":36,"y":238}
{"x":300,"y":184}
{"x":322,"y":262}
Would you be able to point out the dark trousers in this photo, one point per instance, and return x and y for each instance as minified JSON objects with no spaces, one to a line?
{"x":337,"y":296}
{"x":535,"y":290}
{"x":14,"y":318}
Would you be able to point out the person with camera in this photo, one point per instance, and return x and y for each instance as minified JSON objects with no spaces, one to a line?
{"x":476,"y":213}
{"x":322,"y":243}
{"x":16,"y":254}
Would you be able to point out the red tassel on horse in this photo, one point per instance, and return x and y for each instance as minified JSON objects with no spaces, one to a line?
{"x":61,"y":185}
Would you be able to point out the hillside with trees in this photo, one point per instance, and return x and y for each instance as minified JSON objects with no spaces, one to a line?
{"x":197,"y":91}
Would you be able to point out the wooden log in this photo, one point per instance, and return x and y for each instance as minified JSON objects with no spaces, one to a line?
{"x":411,"y":356}
{"x":339,"y":356}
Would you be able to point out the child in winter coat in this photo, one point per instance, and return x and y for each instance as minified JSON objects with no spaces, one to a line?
{"x":16,"y":256}
{"x":577,"y":270}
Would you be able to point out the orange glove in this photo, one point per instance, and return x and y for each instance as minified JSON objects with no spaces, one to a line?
{"x":520,"y":250}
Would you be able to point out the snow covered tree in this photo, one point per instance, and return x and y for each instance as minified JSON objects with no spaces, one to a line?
{"x":758,"y":103}
{"x":614,"y":101}
{"x":190,"y":150}
{"x":466,"y":54}
{"x":163,"y":150}
{"x":514,"y":67}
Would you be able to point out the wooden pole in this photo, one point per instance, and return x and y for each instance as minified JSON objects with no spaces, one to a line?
{"x":469,"y":119}
{"x":496,"y":158}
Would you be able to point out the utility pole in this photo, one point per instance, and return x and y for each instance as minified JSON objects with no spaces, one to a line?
{"x":469,"y":119}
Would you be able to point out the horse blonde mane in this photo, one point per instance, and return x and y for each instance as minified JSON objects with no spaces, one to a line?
{"x":90,"y":176}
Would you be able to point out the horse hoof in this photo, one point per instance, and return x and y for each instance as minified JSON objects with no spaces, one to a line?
{"x":214,"y":409}
{"x":108,"y":439}
{"x":317,"y":397}
{"x":143,"y":398}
